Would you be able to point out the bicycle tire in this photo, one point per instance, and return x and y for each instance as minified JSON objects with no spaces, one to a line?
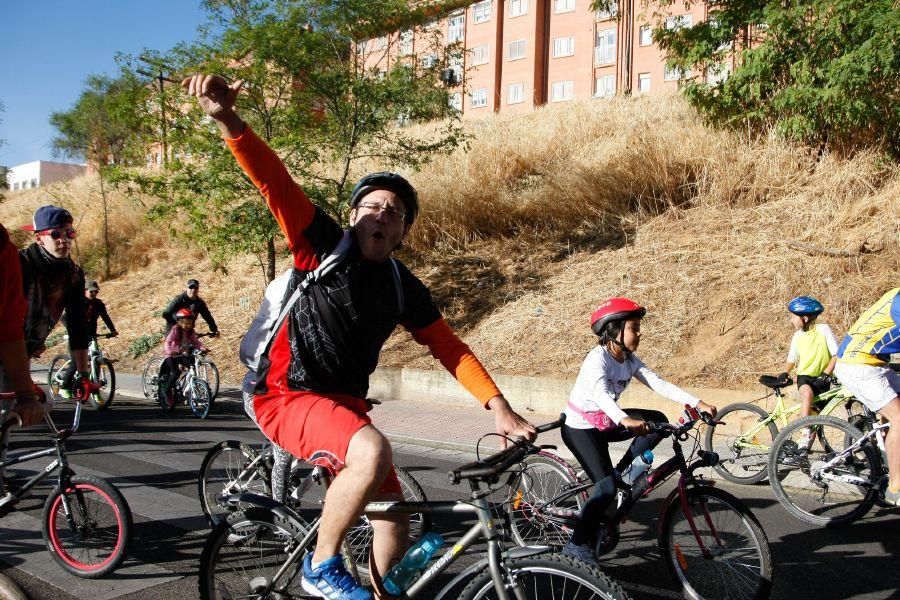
{"x":741,"y":555}
{"x":199,"y":398}
{"x":359,"y":536}
{"x":102,"y":399}
{"x":223,"y":464}
{"x":541,"y":477}
{"x":549,"y":575}
{"x":54,"y":380}
{"x":149,"y":380}
{"x":244,"y":551}
{"x":806,"y":495}
{"x":209,"y":372}
{"x":737,"y":464}
{"x":104,"y":524}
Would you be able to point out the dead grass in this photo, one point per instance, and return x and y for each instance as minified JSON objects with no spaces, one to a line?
{"x":548,"y":213}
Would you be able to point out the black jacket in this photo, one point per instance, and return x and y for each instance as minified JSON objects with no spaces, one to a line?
{"x":197,"y":306}
{"x":52,"y":286}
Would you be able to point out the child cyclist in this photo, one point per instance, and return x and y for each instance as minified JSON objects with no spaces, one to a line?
{"x":179,"y":342}
{"x":593,"y":416}
{"x":813,"y":351}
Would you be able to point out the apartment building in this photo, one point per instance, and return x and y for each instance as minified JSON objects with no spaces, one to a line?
{"x":41,"y":172}
{"x":519,"y":54}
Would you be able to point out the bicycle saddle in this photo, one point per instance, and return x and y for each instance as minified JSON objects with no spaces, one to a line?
{"x":771,"y":381}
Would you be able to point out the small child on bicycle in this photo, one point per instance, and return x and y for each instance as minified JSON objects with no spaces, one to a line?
{"x":593,"y":416}
{"x":179,"y":342}
{"x":813,"y":352}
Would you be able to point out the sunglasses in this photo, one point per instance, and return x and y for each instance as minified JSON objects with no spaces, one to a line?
{"x":58,"y":233}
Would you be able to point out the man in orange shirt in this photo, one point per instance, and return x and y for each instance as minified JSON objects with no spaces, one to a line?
{"x":310,"y":395}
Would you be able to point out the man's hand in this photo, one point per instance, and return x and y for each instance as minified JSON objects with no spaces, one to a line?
{"x":635,"y":426}
{"x":216,"y":98}
{"x":30,"y":407}
{"x":508,"y":422}
{"x":707,"y":408}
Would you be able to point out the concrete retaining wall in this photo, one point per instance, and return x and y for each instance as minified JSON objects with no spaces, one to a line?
{"x":539,"y":395}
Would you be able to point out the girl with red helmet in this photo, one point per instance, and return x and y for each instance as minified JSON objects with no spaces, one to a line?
{"x":594,"y":418}
{"x":179,"y":342}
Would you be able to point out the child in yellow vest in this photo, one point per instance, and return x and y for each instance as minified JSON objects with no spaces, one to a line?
{"x":813,"y":351}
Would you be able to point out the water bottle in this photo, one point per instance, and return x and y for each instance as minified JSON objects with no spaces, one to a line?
{"x":638,"y":467}
{"x":407,"y":570}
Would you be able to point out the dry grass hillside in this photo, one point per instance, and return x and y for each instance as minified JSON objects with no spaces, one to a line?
{"x":548,"y":213}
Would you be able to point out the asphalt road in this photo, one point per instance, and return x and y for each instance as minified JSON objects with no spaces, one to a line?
{"x":154,"y":458}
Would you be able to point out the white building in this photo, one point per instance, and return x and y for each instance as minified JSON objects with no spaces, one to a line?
{"x":41,"y":172}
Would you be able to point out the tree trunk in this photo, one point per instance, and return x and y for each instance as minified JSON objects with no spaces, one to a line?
{"x":105,"y":229}
{"x":270,"y":259}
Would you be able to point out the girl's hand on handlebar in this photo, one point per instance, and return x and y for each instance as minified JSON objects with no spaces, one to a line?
{"x":635,"y":426}
{"x":707,"y":408}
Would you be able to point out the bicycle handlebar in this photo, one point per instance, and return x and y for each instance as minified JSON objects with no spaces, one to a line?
{"x":491,"y":467}
{"x":667,"y":429}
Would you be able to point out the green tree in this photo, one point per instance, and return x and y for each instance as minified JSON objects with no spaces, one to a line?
{"x":318,"y":92}
{"x":104,"y":127}
{"x":823,"y":72}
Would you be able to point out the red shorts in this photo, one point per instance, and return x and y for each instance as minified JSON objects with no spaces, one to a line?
{"x":316,"y":428}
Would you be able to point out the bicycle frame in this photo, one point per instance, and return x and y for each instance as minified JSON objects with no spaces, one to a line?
{"x":484,"y":528}
{"x":834,"y":398}
{"x":61,"y":464}
{"x":823,"y":470}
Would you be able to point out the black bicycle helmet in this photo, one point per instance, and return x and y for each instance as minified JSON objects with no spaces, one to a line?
{"x":384,"y":180}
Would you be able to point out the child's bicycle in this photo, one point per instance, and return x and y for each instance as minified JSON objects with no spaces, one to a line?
{"x":101,"y":369}
{"x":86,"y":522}
{"x":190,"y":389}
{"x":258,"y":552}
{"x":742,"y":433}
{"x":233,"y":467}
{"x":839,"y":477}
{"x":206,"y":370}
{"x":711,"y":542}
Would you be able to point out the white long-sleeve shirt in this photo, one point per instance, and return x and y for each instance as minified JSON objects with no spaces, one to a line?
{"x":602,"y":379}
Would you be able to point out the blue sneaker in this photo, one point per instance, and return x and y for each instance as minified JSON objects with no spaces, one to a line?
{"x":332,"y":581}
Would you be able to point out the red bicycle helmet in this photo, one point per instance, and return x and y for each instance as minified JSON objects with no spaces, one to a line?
{"x":615,"y":309}
{"x":184,"y":313}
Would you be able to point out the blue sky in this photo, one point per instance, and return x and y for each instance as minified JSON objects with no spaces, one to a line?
{"x":49,"y":47}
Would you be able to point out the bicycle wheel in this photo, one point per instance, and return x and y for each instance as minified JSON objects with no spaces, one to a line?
{"x":199,"y":398}
{"x":243,"y":553}
{"x":541,"y":478}
{"x":98,"y":541}
{"x":359,"y":536}
{"x":150,"y":378}
{"x":55,"y":374}
{"x":738,"y":563}
{"x":545,"y":576}
{"x":226,"y":469}
{"x":821,"y":496}
{"x":741,"y":443}
{"x":209,"y":372}
{"x":106,"y":377}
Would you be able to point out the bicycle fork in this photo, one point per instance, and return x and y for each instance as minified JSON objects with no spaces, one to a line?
{"x":688,"y":513}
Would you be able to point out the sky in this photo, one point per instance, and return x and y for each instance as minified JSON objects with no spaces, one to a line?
{"x":49,"y":47}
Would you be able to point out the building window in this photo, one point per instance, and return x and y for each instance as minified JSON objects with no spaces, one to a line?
{"x":478,"y":98}
{"x":429,"y":60}
{"x":455,"y":101}
{"x":517,"y":49}
{"x":15,"y":186}
{"x":717,"y":73}
{"x":517,"y":8}
{"x":679,"y":21}
{"x":480,"y":54}
{"x":645,"y":37}
{"x":605,"y":86}
{"x":562,"y":91}
{"x":564,"y":46}
{"x":606,"y":14}
{"x":34,"y":183}
{"x":643,"y":82}
{"x":605,"y":50}
{"x":362,"y":47}
{"x":674,"y":74}
{"x":456,"y":29}
{"x":481,"y":12}
{"x":516,"y":93}
{"x":563,"y":6}
{"x":406,"y":42}
{"x":381,"y":43}
{"x":455,"y":71}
